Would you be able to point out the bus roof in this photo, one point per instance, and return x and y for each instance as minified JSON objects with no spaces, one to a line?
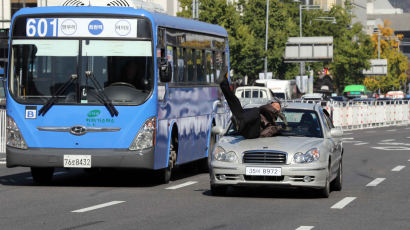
{"x":158,"y":19}
{"x":360,"y":88}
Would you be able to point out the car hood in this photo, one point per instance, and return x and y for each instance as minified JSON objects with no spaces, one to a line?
{"x":289,"y":144}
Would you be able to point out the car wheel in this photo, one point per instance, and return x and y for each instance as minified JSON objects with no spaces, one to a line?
{"x":42,"y":176}
{"x":218,"y":190}
{"x":337,"y":182}
{"x":325,"y":191}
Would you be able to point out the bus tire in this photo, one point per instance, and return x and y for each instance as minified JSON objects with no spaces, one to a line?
{"x":42,"y":176}
{"x":164,"y":175}
{"x":206,"y":162}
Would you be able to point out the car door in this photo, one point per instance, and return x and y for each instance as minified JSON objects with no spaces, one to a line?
{"x":334,"y":150}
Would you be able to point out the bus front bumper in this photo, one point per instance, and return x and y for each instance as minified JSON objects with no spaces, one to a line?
{"x":100,"y":158}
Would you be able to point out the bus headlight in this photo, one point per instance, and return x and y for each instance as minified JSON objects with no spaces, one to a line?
{"x":145,"y":137}
{"x":14,"y":137}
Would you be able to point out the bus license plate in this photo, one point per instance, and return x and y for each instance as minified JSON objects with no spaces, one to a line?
{"x":77,"y":161}
{"x":256,"y":171}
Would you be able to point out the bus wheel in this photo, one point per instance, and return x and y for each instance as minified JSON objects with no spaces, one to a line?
{"x":42,"y":176}
{"x":165,"y":174}
{"x":206,"y":162}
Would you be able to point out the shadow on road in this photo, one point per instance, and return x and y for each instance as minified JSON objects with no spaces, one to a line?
{"x":105,"y":177}
{"x":268,"y":192}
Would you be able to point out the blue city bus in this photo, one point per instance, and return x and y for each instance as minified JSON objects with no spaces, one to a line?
{"x":118,"y":87}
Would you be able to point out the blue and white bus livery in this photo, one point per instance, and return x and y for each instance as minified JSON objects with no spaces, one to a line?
{"x":82,"y":89}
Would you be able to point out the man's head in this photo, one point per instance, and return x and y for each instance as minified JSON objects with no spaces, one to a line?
{"x":276,"y":105}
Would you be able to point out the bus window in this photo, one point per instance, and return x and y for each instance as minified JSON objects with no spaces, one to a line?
{"x":181,"y":64}
{"x":209,"y":67}
{"x":219,"y":63}
{"x":200,"y":70}
{"x":190,"y":65}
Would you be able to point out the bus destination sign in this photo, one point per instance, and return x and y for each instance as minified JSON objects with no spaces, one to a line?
{"x":81,"y":27}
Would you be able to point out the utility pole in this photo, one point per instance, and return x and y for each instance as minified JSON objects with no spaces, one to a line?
{"x":266,"y":39}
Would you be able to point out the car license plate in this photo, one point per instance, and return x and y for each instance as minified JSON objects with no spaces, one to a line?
{"x":77,"y":161}
{"x":256,"y":171}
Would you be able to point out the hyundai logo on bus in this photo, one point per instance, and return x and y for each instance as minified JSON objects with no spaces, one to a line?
{"x":95,"y":27}
{"x":78,"y":130}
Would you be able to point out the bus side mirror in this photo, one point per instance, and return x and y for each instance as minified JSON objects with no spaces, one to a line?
{"x":165,"y":70}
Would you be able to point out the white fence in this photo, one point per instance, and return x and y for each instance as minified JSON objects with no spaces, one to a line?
{"x":370,"y":114}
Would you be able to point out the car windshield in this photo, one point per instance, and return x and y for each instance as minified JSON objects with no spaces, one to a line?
{"x":39,"y":67}
{"x":302,"y":123}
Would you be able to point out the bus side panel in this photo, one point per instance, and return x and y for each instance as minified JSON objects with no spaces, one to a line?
{"x":192,"y":109}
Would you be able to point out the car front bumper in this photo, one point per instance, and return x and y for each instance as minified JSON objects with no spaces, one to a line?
{"x":233,"y":174}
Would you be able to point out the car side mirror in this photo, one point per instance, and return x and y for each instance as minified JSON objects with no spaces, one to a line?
{"x":217,"y":130}
{"x":336,"y":132}
{"x":165,"y":70}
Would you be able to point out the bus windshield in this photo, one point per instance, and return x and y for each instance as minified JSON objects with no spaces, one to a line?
{"x":39,"y":67}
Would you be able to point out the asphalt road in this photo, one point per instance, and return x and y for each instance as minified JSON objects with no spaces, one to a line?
{"x":375,"y":195}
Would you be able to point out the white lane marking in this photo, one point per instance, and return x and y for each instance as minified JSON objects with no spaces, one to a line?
{"x":362,"y":143}
{"x":375,"y":182}
{"x":54,"y":174}
{"x":183,"y":185}
{"x":388,"y":140}
{"x":2,"y":162}
{"x":391,"y":130}
{"x":305,"y":227}
{"x":398,"y":168}
{"x":347,"y":138}
{"x":98,"y":206}
{"x":347,"y":133}
{"x":341,"y":204}
{"x":408,"y":137}
{"x":409,"y":160}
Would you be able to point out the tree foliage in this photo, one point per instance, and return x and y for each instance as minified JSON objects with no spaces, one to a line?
{"x":396,"y":61}
{"x":245,"y":22}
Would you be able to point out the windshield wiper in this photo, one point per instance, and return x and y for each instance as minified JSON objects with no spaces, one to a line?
{"x":101,"y":95}
{"x":50,"y":102}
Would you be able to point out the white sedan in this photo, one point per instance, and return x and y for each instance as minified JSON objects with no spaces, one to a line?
{"x":307,"y":154}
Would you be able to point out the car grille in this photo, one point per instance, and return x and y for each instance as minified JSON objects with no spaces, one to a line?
{"x":264,"y":157}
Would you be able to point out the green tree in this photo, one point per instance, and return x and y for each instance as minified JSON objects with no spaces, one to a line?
{"x":396,"y":61}
{"x":351,"y":46}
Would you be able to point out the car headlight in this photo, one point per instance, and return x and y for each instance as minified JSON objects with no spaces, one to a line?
{"x":308,"y":157}
{"x":221,"y":155}
{"x":145,"y":137}
{"x":14,"y":137}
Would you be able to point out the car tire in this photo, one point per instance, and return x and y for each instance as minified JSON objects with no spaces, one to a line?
{"x":218,"y":190}
{"x":337,"y":182}
{"x":42,"y":176}
{"x":325,"y":191}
